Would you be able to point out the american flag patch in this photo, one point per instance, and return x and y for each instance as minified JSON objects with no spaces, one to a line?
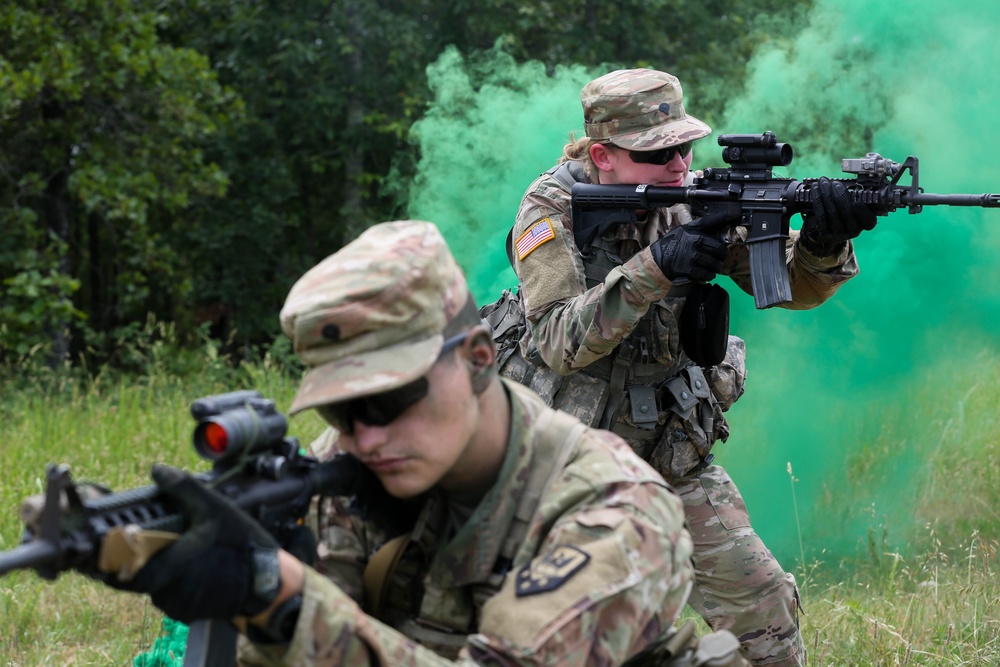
{"x":539,"y":233}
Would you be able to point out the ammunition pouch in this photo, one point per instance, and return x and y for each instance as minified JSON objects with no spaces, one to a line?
{"x":689,"y":405}
{"x":704,"y":324}
{"x":671,"y":413}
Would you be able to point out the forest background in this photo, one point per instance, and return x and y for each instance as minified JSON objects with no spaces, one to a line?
{"x":169,"y":168}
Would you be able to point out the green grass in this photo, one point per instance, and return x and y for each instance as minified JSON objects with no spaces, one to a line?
{"x":936,"y":602}
{"x":930,"y":594}
{"x":109,"y":431}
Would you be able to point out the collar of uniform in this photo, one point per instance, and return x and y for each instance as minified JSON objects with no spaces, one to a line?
{"x":470,"y":556}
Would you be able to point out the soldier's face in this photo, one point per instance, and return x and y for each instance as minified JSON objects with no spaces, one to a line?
{"x":623,"y":170}
{"x":428,"y":443}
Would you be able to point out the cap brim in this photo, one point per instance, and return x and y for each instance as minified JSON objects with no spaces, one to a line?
{"x":662,"y":136}
{"x":366,"y":373}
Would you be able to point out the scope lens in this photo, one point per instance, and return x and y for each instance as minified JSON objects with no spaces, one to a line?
{"x":216,"y":438}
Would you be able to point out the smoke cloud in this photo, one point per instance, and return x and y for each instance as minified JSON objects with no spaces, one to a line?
{"x":852,"y":396}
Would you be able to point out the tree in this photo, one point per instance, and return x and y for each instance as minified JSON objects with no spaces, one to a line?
{"x":101,"y":133}
{"x":123,"y":122}
{"x":328,"y":93}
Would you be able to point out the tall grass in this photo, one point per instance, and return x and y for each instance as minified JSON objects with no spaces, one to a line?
{"x":935,"y":603}
{"x":935,"y":598}
{"x":108,"y":429}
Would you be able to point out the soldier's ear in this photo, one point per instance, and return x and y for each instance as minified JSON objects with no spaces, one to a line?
{"x":481,"y":356}
{"x":602,"y":156}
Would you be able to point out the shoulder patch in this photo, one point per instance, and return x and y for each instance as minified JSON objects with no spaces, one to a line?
{"x":539,"y":233}
{"x":551,"y":570}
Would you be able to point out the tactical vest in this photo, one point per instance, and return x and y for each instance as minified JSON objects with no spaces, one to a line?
{"x":397,"y":590}
{"x":647,"y":390}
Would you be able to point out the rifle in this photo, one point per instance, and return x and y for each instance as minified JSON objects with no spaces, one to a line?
{"x":254,"y":464}
{"x":765,"y":203}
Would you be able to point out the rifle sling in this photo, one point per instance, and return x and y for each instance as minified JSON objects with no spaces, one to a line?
{"x":378,"y":572}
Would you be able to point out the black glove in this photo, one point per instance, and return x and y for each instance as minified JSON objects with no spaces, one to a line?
{"x":223,"y":565}
{"x":834,"y":219}
{"x":694,"y":251}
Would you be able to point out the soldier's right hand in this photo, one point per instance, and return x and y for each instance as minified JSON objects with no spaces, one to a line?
{"x":694,"y":251}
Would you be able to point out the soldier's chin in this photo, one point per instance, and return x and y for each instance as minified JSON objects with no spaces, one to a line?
{"x":404,"y":486}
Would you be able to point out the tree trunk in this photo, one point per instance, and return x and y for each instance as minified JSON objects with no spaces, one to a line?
{"x":351,"y":211}
{"x":57,"y":223}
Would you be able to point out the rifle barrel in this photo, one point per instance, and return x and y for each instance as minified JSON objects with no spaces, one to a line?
{"x":987,"y":200}
{"x":37,"y":552}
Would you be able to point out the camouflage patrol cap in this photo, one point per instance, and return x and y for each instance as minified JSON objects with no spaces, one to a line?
{"x":371,"y":317}
{"x":639,"y":109}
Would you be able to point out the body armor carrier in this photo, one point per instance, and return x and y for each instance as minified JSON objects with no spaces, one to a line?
{"x":667,"y":407}
{"x":648,"y":391}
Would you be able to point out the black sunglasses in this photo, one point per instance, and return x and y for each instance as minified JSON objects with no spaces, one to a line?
{"x":660,"y":156}
{"x":384,"y":408}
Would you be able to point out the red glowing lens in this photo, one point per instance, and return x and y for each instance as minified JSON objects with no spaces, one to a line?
{"x":216,"y":438}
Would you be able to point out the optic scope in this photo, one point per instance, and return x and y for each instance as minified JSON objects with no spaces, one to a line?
{"x":755,"y":150}
{"x":235,"y":425}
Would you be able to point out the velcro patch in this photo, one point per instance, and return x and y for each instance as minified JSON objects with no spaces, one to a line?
{"x":539,"y":233}
{"x":551,"y":570}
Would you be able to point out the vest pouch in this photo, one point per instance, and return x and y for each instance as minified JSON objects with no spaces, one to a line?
{"x":643,"y":401}
{"x":704,"y":324}
{"x":546,"y":383}
{"x":583,"y":396}
{"x":729,"y":378}
{"x":508,"y":326}
{"x":684,"y":399}
{"x":694,"y":424}
{"x":505,"y":318}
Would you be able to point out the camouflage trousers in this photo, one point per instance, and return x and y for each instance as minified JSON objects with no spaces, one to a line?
{"x":739,"y":586}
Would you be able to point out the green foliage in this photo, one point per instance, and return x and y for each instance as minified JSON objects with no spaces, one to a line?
{"x":938,"y":608}
{"x":330,"y":93}
{"x":101,"y":133}
{"x":38,"y":293}
{"x":122,"y":125}
{"x":706,"y":43}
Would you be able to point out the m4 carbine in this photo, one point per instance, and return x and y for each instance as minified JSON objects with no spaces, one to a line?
{"x":764,"y":203}
{"x":254,"y":464}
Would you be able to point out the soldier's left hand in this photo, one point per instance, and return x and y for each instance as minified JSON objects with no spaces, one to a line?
{"x":835,"y":218}
{"x":224,"y":565}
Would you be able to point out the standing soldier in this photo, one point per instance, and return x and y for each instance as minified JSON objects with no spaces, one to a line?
{"x":534,"y":540}
{"x":619,"y":334}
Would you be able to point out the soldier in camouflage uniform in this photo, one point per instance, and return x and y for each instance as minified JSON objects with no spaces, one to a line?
{"x":604,"y":330}
{"x":531,"y":538}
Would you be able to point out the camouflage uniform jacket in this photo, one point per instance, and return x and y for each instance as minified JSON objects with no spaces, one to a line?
{"x":585,"y":309}
{"x":600,"y":571}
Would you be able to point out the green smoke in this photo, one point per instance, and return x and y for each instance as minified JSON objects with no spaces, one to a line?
{"x":494,"y":126}
{"x":853,"y":395}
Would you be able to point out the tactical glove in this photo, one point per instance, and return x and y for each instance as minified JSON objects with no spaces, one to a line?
{"x":834,"y":219}
{"x":694,"y":251}
{"x":224,"y":565}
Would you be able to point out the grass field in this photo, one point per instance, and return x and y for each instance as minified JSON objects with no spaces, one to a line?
{"x":939,"y":605}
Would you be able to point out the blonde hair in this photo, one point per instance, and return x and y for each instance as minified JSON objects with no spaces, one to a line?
{"x":579,"y":150}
